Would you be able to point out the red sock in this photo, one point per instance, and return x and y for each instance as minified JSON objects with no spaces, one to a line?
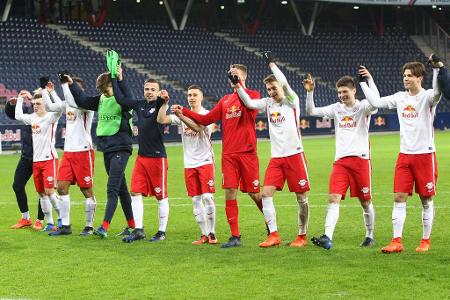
{"x":105,"y":225}
{"x":131,"y":223}
{"x":232,"y":211}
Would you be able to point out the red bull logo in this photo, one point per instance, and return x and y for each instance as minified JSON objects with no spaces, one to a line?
{"x":380,"y":121}
{"x":166,"y":130}
{"x":215,"y":128}
{"x":36,"y":129}
{"x":276,"y":118}
{"x":70,"y":116}
{"x":189,"y":132}
{"x":304,"y":124}
{"x":409,"y":112}
{"x":233,"y":111}
{"x":347,"y":122}
{"x":260,"y":125}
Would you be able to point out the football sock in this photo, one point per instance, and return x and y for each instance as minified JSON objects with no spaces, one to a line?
{"x":232,"y":212}
{"x":163,"y":213}
{"x":47,"y":209}
{"x":303,"y":216}
{"x":331,"y":219}
{"x":138,"y":210}
{"x":199,"y":213}
{"x":270,"y":215}
{"x":105,"y":225}
{"x":56,"y":203}
{"x":427,"y":219}
{"x":369,"y":219}
{"x":90,"y":207}
{"x":26,"y":215}
{"x":210,"y":208}
{"x":131,"y":224}
{"x":65,"y":209}
{"x":398,"y":218}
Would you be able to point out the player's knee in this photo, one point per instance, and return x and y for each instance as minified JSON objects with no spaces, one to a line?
{"x":62,"y":190}
{"x":16,"y":187}
{"x":400,"y":197}
{"x":364,"y":203}
{"x":302,"y":198}
{"x":87,"y":192}
{"x":334,"y":198}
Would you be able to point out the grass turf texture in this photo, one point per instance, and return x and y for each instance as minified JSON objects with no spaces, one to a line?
{"x":37,"y":266}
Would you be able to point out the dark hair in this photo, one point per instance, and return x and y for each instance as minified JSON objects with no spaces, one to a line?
{"x":103,"y":81}
{"x":346,"y":81}
{"x":79,"y":81}
{"x":416,"y":68}
{"x":195,"y":87}
{"x":269,"y":79}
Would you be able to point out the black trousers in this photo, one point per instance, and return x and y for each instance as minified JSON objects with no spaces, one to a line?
{"x":24,"y":171}
{"x":115,"y":164}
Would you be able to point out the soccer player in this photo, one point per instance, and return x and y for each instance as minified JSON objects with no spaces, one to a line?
{"x":45,"y":158}
{"x":24,"y":169}
{"x":198,"y":164}
{"x":287,"y":161}
{"x":351,"y":167}
{"x":114,"y":133}
{"x":240,"y":166}
{"x":416,"y":164}
{"x":77,"y":163}
{"x":149,"y":177}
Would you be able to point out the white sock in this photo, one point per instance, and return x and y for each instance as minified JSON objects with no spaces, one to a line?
{"x":26,"y":215}
{"x":331,"y":219}
{"x":369,"y":219}
{"x":427,"y":219}
{"x":56,"y":203}
{"x":270,"y":214}
{"x":303,"y":216}
{"x":163,"y":213}
{"x":210,"y":208}
{"x":90,"y":207}
{"x":398,"y":218}
{"x":138,"y":211}
{"x":199,"y":213}
{"x":47,"y":209}
{"x":65,"y":209}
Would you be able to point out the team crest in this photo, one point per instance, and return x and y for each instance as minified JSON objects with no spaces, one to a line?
{"x":430,"y":186}
{"x":50,"y":178}
{"x":87,"y":179}
{"x":256,"y":182}
{"x":365,"y":190}
{"x":152,"y":110}
{"x":302,"y":182}
{"x":157,"y":190}
{"x":36,"y":129}
{"x":210,"y":183}
{"x":70,"y":116}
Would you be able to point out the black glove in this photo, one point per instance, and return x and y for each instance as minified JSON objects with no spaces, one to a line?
{"x":268,"y":57}
{"x":434,"y":59}
{"x":43,"y":81}
{"x":233,"y":78}
{"x":62,"y":76}
{"x":362,"y":78}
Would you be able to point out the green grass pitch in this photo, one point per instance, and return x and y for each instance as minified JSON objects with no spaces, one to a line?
{"x":36,"y":266}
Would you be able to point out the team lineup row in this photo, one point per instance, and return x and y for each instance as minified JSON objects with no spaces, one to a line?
{"x":416,"y":165}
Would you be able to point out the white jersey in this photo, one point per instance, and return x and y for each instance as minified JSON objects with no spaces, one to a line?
{"x":197,"y":145}
{"x":283,"y":118}
{"x":43,"y":130}
{"x":416,"y":117}
{"x":78,"y":121}
{"x":351,"y":125}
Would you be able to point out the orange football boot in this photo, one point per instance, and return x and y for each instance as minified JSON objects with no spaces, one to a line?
{"x":203,"y":240}
{"x":396,"y":246}
{"x":272,"y":240}
{"x":22,"y":223}
{"x":424,"y":245}
{"x":38,"y":226}
{"x":300,"y":241}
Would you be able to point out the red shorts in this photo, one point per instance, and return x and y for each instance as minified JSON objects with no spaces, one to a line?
{"x":44,"y":174}
{"x":199,"y":180}
{"x":419,"y":170}
{"x":240,"y":170}
{"x":355,"y":172}
{"x":77,"y":167}
{"x":291,"y":169}
{"x":149,"y":177}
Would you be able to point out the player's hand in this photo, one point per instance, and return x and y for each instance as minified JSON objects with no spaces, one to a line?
{"x":234,"y":79}
{"x":308,"y":83}
{"x":435,"y":61}
{"x":268,"y":57}
{"x":69,"y":79}
{"x":363,"y":74}
{"x":63,"y":76}
{"x":50,"y":87}
{"x":12,"y":100}
{"x":43,"y":81}
{"x":165,"y":95}
{"x":119,"y":73}
{"x":177,"y":110}
{"x":24,"y":94}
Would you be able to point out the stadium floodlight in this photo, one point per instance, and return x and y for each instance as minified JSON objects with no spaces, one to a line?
{"x":356,"y":7}
{"x":284,"y":2}
{"x":161,"y":2}
{"x":222,"y":7}
{"x":433,"y":6}
{"x":240,"y":1}
{"x":138,"y":1}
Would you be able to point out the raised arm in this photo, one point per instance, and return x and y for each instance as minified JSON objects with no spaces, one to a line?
{"x":56,"y":106}
{"x":10,"y":108}
{"x":311,"y":109}
{"x":291,"y":96}
{"x":19,"y":115}
{"x":258,"y":104}
{"x":178,"y":118}
{"x":162,"y":117}
{"x":126,"y":102}
{"x":214,"y":115}
{"x":68,"y":96}
{"x":436,"y":89}
{"x":83,"y":101}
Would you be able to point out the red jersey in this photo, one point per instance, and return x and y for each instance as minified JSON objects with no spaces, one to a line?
{"x":238,"y":122}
